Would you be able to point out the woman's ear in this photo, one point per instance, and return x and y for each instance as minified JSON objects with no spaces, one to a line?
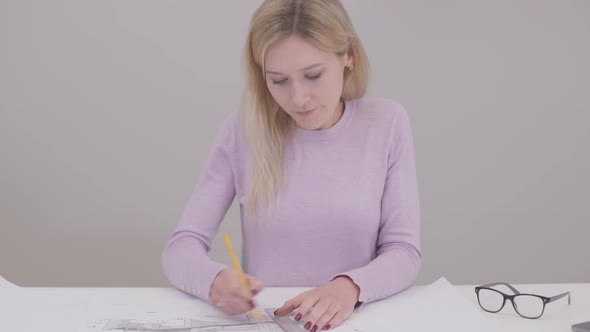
{"x":349,"y":58}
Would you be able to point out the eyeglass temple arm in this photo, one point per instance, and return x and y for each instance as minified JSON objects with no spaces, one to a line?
{"x":503,"y":284}
{"x":557,"y":297}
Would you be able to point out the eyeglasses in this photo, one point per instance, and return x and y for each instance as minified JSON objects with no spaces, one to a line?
{"x":529,"y":306}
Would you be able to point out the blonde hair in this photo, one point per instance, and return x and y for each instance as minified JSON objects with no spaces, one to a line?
{"x":324,"y":24}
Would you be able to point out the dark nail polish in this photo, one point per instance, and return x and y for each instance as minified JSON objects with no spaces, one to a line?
{"x":276,"y":312}
{"x":254,"y":292}
{"x":297,"y":317}
{"x":314,"y":328}
{"x":251,"y":303}
{"x":327,"y":327}
{"x":307,"y":325}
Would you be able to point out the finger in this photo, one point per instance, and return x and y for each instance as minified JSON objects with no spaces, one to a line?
{"x":338,"y":318}
{"x":218,"y":298}
{"x":237,"y":289}
{"x":244,"y":306}
{"x":322,"y":322}
{"x":225,"y":302}
{"x":256,"y":286}
{"x":242,"y":293}
{"x":319,"y":308}
{"x":289,"y":306}
{"x":305,"y":308}
{"x":237,"y":306}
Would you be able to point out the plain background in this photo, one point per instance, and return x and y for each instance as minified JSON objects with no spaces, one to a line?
{"x":108,"y":109}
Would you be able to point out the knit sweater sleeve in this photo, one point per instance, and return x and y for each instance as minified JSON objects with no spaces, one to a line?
{"x":399,"y":255}
{"x":185,"y":260}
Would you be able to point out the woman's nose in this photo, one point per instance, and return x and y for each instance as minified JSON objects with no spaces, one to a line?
{"x":299,"y":95}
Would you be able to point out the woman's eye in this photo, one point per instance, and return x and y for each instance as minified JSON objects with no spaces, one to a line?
{"x":314,"y":77}
{"x":284,"y":80}
{"x":281,"y":82}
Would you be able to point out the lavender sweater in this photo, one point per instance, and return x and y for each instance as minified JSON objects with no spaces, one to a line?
{"x":349,"y":207}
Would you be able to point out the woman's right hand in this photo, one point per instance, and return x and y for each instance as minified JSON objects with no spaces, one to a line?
{"x":229,"y":296}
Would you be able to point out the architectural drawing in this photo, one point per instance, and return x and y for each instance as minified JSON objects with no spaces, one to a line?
{"x":212,"y":323}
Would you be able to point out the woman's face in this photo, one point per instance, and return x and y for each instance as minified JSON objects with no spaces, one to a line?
{"x":306,"y":81}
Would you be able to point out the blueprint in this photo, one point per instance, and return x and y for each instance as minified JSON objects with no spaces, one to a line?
{"x":436,"y":307}
{"x":208,"y":323}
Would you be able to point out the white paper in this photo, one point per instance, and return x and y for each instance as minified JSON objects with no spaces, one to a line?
{"x":185,"y":324}
{"x":178,"y":314}
{"x":437,"y":307}
{"x":5,"y":284}
{"x":434,"y":308}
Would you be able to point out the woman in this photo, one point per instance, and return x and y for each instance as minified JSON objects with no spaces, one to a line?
{"x":325,"y":179}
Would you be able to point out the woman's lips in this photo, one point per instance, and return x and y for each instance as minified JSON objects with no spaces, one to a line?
{"x":306,"y":113}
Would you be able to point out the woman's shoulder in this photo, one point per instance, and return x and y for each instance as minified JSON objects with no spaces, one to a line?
{"x":230,"y":134}
{"x":235,"y":124}
{"x":231,"y":121}
{"x":378,"y":110}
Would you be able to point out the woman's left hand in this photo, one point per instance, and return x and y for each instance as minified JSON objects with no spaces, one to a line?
{"x":332,"y":304}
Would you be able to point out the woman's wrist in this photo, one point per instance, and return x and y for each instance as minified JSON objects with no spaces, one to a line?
{"x":348,"y":280}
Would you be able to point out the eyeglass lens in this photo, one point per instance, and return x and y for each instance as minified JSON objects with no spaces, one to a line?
{"x":526,"y":305}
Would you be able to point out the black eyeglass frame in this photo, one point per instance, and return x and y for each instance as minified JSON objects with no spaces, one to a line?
{"x":510,"y":298}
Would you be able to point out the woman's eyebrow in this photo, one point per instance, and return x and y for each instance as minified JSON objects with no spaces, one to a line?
{"x":306,"y":68}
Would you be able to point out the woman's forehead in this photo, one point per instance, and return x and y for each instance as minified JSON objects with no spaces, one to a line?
{"x":293,"y":54}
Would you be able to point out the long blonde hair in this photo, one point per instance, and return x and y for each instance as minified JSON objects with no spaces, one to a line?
{"x":324,"y":24}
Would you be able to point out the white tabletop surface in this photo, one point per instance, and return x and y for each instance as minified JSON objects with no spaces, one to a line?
{"x":61,"y":309}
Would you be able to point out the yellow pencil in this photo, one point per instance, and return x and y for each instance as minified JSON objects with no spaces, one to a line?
{"x":238,"y":268}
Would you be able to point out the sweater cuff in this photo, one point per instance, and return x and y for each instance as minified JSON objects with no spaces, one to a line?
{"x":201,"y":286}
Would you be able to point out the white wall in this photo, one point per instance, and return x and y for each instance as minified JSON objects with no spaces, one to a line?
{"x":107,"y":110}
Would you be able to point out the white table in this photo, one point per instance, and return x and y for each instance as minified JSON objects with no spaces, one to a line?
{"x":62,"y":309}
